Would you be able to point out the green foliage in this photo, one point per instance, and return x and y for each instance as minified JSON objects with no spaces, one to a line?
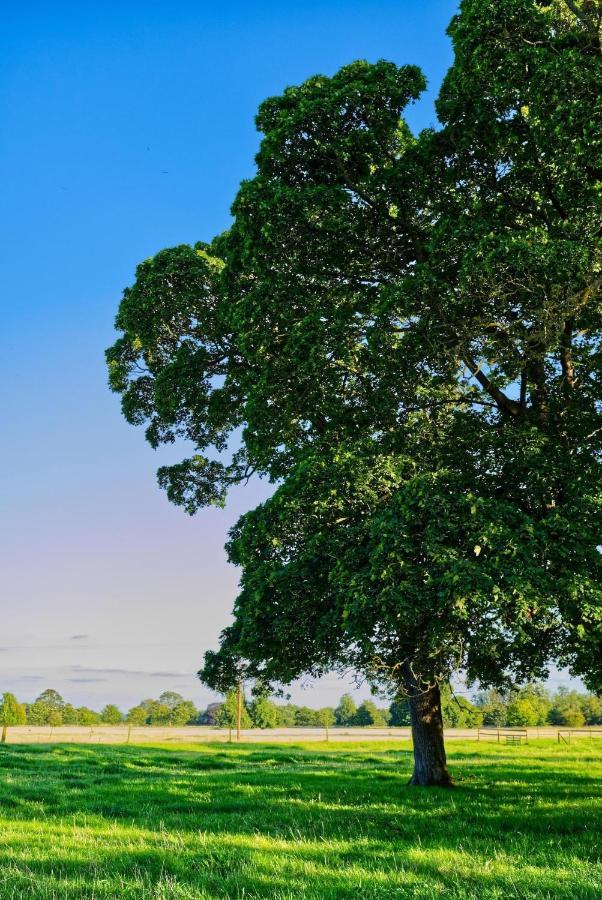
{"x":172,"y":709}
{"x":264,"y":713}
{"x":137,"y":715}
{"x":567,"y":709}
{"x":399,"y":712}
{"x":54,"y":717}
{"x":69,"y":714}
{"x":494,"y":707}
{"x":159,"y":713}
{"x":521,"y":712}
{"x":184,"y":713}
{"x":227,"y":715}
{"x":369,"y":714}
{"x":48,"y":709}
{"x":591,"y":707}
{"x":170,"y":699}
{"x":51,"y":699}
{"x":532,"y":703}
{"x":37,"y":713}
{"x":527,"y":706}
{"x":306,"y":717}
{"x":405,"y":332}
{"x":346,"y":710}
{"x":85,"y":716}
{"x":11,"y":711}
{"x":326,"y":716}
{"x":111,"y":715}
{"x":287,"y":715}
{"x":458,"y":712}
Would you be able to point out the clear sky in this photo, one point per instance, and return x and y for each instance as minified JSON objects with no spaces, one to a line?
{"x":126,"y":127}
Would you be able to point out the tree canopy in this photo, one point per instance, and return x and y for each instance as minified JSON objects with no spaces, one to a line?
{"x":11,"y":711}
{"x":402,"y":332}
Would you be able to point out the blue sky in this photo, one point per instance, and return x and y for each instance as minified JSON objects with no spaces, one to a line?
{"x":126,"y":127}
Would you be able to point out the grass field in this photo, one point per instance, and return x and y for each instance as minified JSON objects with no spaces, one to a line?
{"x":318,"y":821}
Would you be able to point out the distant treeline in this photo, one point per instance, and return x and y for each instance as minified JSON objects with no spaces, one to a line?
{"x":530,"y":705}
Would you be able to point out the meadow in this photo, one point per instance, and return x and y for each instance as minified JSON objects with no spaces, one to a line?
{"x":298,"y":821}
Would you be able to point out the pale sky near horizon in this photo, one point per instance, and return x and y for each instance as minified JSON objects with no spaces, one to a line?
{"x":127,"y":128}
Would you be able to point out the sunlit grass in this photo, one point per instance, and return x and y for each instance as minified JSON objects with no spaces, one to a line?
{"x":306,"y":821}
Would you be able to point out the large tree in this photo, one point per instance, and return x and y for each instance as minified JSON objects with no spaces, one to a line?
{"x":403,"y":333}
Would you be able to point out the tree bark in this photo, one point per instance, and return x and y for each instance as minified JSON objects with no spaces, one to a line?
{"x":430,"y":763}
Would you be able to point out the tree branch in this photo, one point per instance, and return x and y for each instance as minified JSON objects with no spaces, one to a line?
{"x":503,"y":402}
{"x":566,"y":355}
{"x":583,"y":15}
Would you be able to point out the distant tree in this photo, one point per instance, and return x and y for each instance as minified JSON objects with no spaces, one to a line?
{"x":171,"y":699}
{"x":159,"y":714}
{"x":137,"y":715}
{"x":326,"y":716}
{"x":539,"y":699}
{"x":111,"y":715}
{"x":37,"y":713}
{"x":591,"y":707}
{"x":399,"y":713}
{"x":521,"y":711}
{"x":87,"y":716}
{"x":570,"y":716}
{"x":70,"y":716}
{"x":345,"y":711}
{"x":494,"y":706}
{"x":306,"y":716}
{"x":458,"y":712}
{"x":11,"y":711}
{"x":41,"y":713}
{"x":566,"y":709}
{"x":288,"y":715}
{"x":264,"y":713}
{"x":184,"y":713}
{"x":227,"y":715}
{"x":52,"y":699}
{"x":369,"y":714}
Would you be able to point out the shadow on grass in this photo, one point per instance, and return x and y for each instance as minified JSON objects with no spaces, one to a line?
{"x":292,"y":822}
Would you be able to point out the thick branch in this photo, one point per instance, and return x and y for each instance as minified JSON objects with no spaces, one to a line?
{"x":523,"y":390}
{"x":582,"y":13}
{"x":566,"y":356}
{"x":504,"y":403}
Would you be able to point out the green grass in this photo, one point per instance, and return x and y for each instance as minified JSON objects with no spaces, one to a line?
{"x":301,"y":821}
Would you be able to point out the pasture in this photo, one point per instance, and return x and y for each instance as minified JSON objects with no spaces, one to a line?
{"x":298,"y":821}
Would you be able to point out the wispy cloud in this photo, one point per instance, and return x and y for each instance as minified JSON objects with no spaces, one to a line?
{"x":85,"y":680}
{"x":169,"y":674}
{"x":130,"y":672}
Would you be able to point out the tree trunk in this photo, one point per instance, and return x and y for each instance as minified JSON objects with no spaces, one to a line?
{"x":430,"y":763}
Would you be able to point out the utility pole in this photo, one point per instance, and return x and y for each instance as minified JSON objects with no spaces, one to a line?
{"x":238,"y":708}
